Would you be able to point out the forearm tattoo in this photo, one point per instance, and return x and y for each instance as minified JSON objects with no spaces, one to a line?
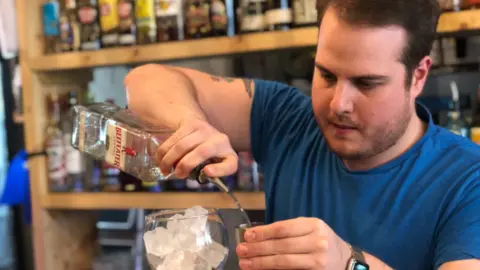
{"x":247,"y":82}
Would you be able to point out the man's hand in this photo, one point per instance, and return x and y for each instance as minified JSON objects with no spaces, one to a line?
{"x":193,"y":143}
{"x":301,"y":243}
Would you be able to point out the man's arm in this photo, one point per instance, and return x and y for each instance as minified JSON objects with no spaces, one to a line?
{"x":473,"y":264}
{"x":167,"y":95}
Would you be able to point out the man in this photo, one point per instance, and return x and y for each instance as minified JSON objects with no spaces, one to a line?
{"x":358,"y":174}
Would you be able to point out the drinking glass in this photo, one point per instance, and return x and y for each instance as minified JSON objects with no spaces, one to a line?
{"x":186,"y":239}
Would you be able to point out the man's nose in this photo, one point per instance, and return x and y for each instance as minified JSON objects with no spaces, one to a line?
{"x":342,"y":101}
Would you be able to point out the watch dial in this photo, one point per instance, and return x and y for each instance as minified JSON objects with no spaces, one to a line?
{"x":360,"y":267}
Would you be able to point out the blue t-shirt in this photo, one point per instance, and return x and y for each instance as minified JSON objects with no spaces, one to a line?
{"x":417,"y":211}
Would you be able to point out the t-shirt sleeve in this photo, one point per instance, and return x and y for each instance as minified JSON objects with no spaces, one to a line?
{"x":277,"y":110}
{"x":459,"y":232}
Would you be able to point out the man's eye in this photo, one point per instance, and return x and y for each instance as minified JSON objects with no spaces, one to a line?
{"x":330,"y":78}
{"x":364,"y":85}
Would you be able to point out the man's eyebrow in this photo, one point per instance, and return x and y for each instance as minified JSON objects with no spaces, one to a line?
{"x":322,"y":68}
{"x":367,"y":77}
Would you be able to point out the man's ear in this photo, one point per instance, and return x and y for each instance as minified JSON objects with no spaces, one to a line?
{"x":420,"y":75}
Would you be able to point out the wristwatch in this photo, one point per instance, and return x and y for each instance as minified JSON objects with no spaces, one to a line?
{"x":357,"y":261}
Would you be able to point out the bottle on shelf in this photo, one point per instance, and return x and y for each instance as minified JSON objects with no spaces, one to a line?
{"x":89,"y":25}
{"x":221,"y":17}
{"x":55,"y":149}
{"x":127,"y":30}
{"x":197,"y":19}
{"x":75,"y":161}
{"x":169,"y":19}
{"x":475,"y":128}
{"x":69,"y":27}
{"x":279,"y":15}
{"x":109,"y":22}
{"x":455,"y":122}
{"x":251,"y":16}
{"x":305,"y":13}
{"x":51,"y":27}
{"x":145,"y":20}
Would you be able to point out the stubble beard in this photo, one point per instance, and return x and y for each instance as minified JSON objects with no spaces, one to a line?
{"x":384,"y":137}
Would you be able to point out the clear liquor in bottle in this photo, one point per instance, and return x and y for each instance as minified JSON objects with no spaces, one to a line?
{"x":110,"y":133}
{"x":55,"y":149}
{"x":75,"y":160}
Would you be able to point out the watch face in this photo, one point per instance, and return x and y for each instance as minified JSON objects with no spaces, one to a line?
{"x":359,"y":266}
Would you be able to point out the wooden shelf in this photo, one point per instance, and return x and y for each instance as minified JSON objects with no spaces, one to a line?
{"x":111,"y":200}
{"x":466,"y":20}
{"x":301,"y":37}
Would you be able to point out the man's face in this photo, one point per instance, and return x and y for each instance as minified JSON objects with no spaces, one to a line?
{"x":359,"y":96}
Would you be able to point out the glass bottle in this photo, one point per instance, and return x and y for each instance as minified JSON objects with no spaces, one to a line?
{"x":169,"y":19}
{"x":109,"y":22}
{"x":69,"y":27}
{"x":279,"y":15}
{"x":75,"y":161}
{"x":51,"y":28}
{"x":55,"y":149}
{"x":89,"y":25}
{"x":221,"y":16}
{"x":305,"y":13}
{"x":145,"y":19}
{"x":127,"y":28}
{"x":251,"y":16}
{"x":197,"y":19}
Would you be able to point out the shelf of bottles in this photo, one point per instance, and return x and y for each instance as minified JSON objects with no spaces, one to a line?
{"x":92,"y":25}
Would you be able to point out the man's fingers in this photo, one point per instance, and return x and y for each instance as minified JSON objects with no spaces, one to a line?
{"x":203,"y":152}
{"x":166,"y":145}
{"x":182,"y":147}
{"x":227,"y":166}
{"x":289,"y":261}
{"x":294,"y":245}
{"x":282,"y":229}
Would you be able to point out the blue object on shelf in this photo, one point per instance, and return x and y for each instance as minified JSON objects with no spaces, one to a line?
{"x":17,"y":185}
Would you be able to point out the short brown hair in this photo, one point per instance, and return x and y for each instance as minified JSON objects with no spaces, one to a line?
{"x":419,"y":18}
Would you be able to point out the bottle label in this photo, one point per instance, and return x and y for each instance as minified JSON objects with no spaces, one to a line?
{"x":253,"y":22}
{"x":219,"y":15}
{"x":87,"y":15}
{"x":124,"y":9}
{"x":73,"y":156}
{"x":144,"y":13}
{"x":51,"y":19}
{"x":56,"y":160}
{"x":167,"y":8}
{"x":305,"y":11}
{"x":108,"y":15}
{"x":117,"y":141}
{"x":278,"y":16}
